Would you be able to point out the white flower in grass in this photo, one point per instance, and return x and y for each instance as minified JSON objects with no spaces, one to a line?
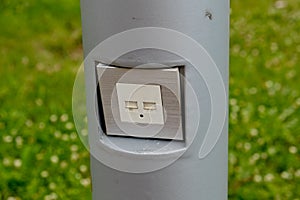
{"x":286,"y":175}
{"x":11,"y":198}
{"x":269,"y":177}
{"x":270,"y":83}
{"x":7,"y":139}
{"x":73,"y":136}
{"x":51,"y":196}
{"x":254,"y":158}
{"x":44,"y":174}
{"x":63,"y":164}
{"x":6,"y":162}
{"x":53,"y":118}
{"x":85,"y":182}
{"x":280,"y":4}
{"x":232,"y":159}
{"x":257,"y":178}
{"x":253,"y":132}
{"x":57,"y":134}
{"x":272,"y":150}
{"x":233,"y":102}
{"x":54,"y":159}
{"x":19,"y":141}
{"x":247,"y":146}
{"x":293,"y":149}
{"x":69,"y":126}
{"x":52,"y":186}
{"x":83,"y":168}
{"x":74,"y":148}
{"x":74,"y":156}
{"x":64,"y":117}
{"x":65,"y":137}
{"x":17,"y":163}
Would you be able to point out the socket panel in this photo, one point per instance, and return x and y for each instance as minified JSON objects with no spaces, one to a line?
{"x":140,"y":103}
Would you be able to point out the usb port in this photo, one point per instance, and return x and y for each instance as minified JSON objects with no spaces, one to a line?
{"x":149,"y":105}
{"x":131,"y":105}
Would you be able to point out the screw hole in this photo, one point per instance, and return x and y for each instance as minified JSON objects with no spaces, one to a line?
{"x":141,"y":116}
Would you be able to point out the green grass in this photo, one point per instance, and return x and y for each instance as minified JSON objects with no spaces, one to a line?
{"x":265,"y":100}
{"x":40,"y":50}
{"x":41,"y":156}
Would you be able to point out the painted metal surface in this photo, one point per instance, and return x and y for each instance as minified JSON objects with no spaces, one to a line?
{"x":188,"y":177}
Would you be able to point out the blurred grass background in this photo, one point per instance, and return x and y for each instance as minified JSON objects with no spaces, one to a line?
{"x":41,"y":156}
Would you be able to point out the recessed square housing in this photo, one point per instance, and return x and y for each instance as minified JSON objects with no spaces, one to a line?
{"x":141,"y":103}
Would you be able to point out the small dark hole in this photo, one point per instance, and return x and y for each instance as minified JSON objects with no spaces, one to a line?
{"x":141,"y":115}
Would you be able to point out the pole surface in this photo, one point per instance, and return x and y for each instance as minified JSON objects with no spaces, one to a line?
{"x":205,"y":21}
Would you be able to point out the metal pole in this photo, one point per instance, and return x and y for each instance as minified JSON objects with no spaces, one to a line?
{"x":190,"y":176}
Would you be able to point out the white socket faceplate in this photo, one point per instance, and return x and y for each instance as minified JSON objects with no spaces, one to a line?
{"x":140,"y":103}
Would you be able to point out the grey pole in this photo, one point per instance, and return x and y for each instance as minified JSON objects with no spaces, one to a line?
{"x":128,"y":162}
